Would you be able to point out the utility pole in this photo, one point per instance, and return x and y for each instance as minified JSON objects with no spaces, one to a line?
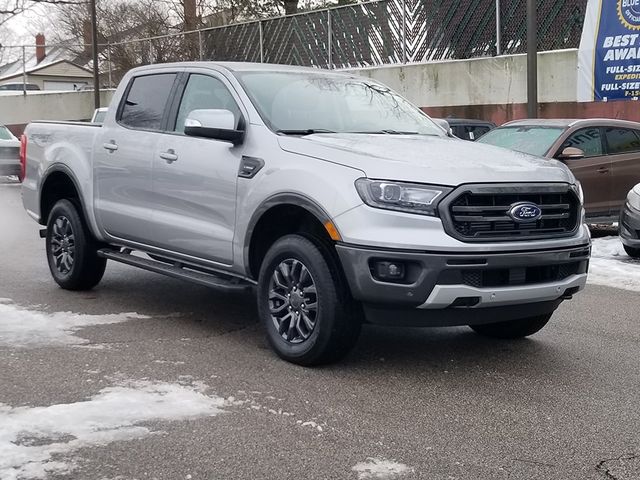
{"x":290,"y":7}
{"x":190,"y":24}
{"x":94,"y":51}
{"x":190,"y":15}
{"x":498,"y":29}
{"x":532,"y":60}
{"x":24,"y":71}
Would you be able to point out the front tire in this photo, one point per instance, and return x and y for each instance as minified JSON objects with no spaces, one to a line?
{"x":632,"y":252}
{"x":71,"y":251}
{"x":304,"y":303}
{"x":513,"y":328}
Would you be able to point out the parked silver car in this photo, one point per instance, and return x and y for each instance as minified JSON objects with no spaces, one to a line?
{"x":333,"y":196}
{"x":9,"y":153}
{"x":630,"y":223}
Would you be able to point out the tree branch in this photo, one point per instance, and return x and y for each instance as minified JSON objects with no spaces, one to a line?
{"x":9,"y":10}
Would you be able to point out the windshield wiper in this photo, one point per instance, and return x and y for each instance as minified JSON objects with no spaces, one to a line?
{"x":311,"y":131}
{"x":396,"y":132}
{"x":389,"y":132}
{"x":306,"y":131}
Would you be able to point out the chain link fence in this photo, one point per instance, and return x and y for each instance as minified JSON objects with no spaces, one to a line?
{"x":398,"y":31}
{"x":363,"y":34}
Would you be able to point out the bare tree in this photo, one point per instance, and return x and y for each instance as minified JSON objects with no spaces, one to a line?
{"x":138,"y":32}
{"x":120,"y":26}
{"x":11,"y":8}
{"x":242,"y":10}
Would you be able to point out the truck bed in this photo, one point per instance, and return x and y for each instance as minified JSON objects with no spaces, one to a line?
{"x":55,"y":145}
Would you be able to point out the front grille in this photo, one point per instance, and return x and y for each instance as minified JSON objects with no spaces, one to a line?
{"x":480,"y":213}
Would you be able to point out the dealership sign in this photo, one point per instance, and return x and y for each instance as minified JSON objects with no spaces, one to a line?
{"x":609,"y":56}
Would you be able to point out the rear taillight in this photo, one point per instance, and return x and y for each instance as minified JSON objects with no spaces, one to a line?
{"x":23,"y":156}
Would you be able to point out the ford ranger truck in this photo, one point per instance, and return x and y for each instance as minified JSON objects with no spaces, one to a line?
{"x":328,"y":195}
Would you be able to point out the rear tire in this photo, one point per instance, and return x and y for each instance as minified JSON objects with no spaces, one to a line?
{"x":513,"y":328}
{"x":632,"y":252}
{"x":305,"y":304}
{"x":71,"y":250}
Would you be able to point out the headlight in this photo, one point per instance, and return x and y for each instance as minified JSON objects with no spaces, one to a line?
{"x":634,"y":197}
{"x":400,"y":196}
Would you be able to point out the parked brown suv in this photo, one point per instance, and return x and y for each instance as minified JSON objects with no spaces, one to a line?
{"x":604,"y":154}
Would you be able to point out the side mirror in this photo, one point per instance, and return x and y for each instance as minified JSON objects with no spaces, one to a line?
{"x":571,"y":153}
{"x":216,"y":124}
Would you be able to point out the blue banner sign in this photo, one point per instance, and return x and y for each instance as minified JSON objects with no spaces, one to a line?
{"x":609,"y":56}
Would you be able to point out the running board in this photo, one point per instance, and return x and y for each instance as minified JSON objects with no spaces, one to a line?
{"x":177,"y":270}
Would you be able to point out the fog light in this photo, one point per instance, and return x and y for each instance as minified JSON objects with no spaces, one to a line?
{"x":389,"y":271}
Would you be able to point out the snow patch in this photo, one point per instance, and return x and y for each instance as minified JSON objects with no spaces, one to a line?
{"x":31,"y":436}
{"x":611,"y":266}
{"x":311,"y":424}
{"x":20,"y":327}
{"x":378,"y":468}
{"x":253,"y":404}
{"x":95,"y":346}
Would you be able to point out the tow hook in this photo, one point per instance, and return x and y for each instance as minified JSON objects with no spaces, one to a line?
{"x":569,"y":292}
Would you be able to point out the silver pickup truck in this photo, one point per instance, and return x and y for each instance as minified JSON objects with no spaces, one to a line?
{"x":329,"y":195}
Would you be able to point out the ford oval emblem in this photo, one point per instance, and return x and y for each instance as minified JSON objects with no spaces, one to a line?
{"x":525,"y":212}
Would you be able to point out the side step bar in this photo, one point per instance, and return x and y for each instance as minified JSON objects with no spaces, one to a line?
{"x":177,"y":270}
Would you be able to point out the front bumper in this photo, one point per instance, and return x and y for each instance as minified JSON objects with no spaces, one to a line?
{"x":443,"y":296}
{"x":460,"y":289}
{"x":630,"y":226}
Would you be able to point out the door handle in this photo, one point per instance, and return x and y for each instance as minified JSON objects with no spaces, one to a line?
{"x":111,"y":146}
{"x":603,"y":170}
{"x":170,"y":155}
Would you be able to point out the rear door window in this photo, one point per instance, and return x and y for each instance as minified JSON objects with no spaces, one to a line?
{"x":146,"y":101}
{"x":622,"y":140}
{"x":589,"y":140}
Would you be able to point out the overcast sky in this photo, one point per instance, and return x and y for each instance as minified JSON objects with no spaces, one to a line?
{"x":22,"y":28}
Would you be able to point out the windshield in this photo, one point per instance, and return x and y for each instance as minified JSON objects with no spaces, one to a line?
{"x":5,"y":134}
{"x":308,"y":102}
{"x":535,"y":140}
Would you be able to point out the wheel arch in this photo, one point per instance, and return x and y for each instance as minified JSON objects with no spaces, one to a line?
{"x":304,"y":215}
{"x":58,"y":183}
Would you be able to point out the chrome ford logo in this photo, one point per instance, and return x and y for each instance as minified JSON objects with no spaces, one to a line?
{"x":525,"y":212}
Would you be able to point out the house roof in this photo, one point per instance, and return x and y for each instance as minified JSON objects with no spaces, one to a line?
{"x":55,"y":55}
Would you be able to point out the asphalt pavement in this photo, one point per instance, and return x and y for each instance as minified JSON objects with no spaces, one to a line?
{"x":406,"y":403}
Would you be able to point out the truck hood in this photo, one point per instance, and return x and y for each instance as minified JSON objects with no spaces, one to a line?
{"x":427,"y":159}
